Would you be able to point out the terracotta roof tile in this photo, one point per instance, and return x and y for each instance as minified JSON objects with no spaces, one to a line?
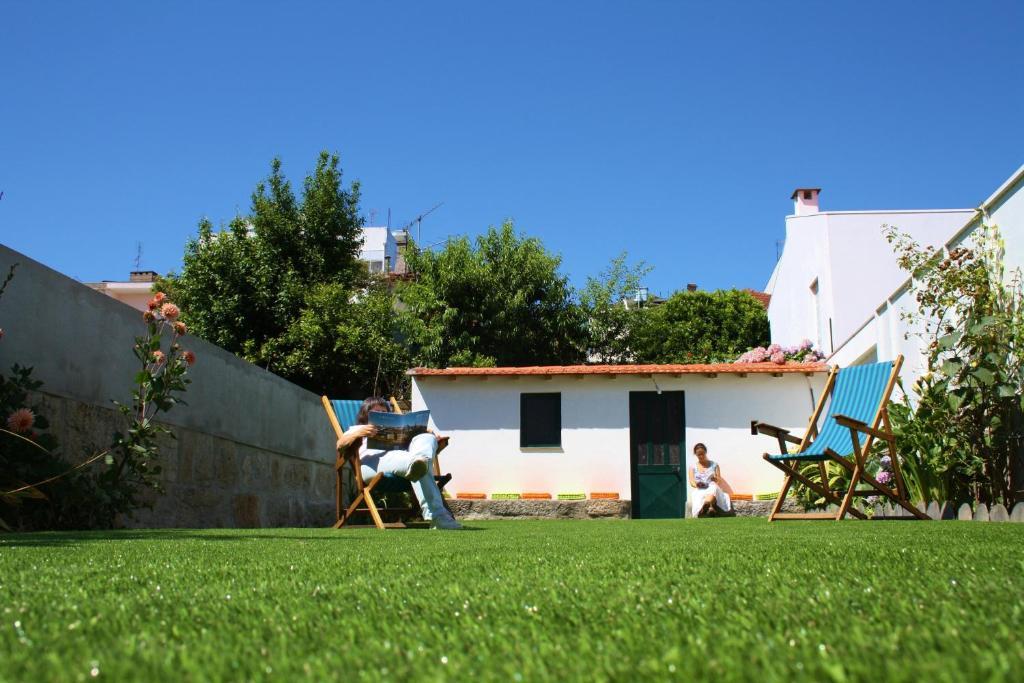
{"x":690,"y":369}
{"x":764,"y":297}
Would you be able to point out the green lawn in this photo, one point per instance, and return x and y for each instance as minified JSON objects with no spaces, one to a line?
{"x":728,"y":599}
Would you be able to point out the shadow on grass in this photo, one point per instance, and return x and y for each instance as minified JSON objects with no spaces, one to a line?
{"x":67,"y":538}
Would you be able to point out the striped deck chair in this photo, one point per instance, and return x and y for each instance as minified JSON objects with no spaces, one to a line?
{"x":342,"y":415}
{"x":857,"y":417}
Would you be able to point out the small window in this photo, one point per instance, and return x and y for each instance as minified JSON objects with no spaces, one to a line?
{"x":807,"y":194}
{"x":540,"y":420}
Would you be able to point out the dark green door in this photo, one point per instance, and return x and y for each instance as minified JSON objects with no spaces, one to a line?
{"x":657,"y":440}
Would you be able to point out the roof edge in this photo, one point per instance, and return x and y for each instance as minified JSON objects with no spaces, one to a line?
{"x":668,"y":369}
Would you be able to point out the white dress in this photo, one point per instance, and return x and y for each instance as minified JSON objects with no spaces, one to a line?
{"x":699,"y":495}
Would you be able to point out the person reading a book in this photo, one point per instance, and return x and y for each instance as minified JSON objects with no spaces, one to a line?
{"x":710,"y":491}
{"x":414,"y":463}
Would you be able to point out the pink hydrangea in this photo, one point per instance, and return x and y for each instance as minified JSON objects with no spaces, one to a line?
{"x":779,"y":357}
{"x":884,"y":477}
{"x":773,"y":349}
{"x":170,"y":311}
{"x":21,"y":420}
{"x":806,"y":344}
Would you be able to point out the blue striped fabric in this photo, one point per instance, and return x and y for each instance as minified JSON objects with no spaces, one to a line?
{"x":346,"y":412}
{"x":857,"y":392}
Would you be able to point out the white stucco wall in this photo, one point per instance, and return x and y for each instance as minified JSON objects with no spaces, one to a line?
{"x":885,"y":328}
{"x":482,"y":418}
{"x":855,"y":267}
{"x":378,"y":243}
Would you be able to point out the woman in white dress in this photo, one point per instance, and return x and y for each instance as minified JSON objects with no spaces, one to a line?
{"x":709,"y":492}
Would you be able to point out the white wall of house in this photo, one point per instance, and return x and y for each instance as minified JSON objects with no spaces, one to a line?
{"x":853,"y":266}
{"x":380,"y":250}
{"x":482,"y":418}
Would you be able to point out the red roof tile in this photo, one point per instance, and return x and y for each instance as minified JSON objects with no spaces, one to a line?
{"x":691,"y":369}
{"x":764,"y":297}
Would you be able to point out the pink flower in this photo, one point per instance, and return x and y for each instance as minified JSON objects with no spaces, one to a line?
{"x":159,"y":297}
{"x":1,"y":333}
{"x":884,"y":477}
{"x":21,"y":420}
{"x":773,"y":349}
{"x":148,"y":316}
{"x":170,"y":311}
{"x":158,"y":356}
{"x":779,"y":357}
{"x":806,"y":344}
{"x":180,"y":329}
{"x":189,"y":357}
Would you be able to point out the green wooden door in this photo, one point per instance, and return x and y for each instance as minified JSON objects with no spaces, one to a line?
{"x":657,"y":439}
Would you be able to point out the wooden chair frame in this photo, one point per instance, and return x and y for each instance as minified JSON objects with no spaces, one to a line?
{"x":879,"y":429}
{"x":364,"y":502}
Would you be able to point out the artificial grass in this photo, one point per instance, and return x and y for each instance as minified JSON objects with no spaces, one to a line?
{"x":721,"y":599}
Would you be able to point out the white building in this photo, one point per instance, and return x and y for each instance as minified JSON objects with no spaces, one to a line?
{"x":838,"y":282}
{"x":379,"y":250}
{"x":136,"y":292}
{"x":625,"y":430}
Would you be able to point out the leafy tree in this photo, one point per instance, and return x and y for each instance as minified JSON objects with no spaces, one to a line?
{"x":347,"y":345}
{"x":250,"y":287}
{"x":612,"y":327}
{"x":702,"y":327}
{"x":498,"y":301}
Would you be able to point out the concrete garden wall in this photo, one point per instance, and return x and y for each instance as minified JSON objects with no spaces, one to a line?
{"x":252,"y":448}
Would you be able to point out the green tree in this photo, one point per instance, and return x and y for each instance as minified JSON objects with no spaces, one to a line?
{"x":702,"y":327}
{"x":250,"y":287}
{"x":498,"y":301}
{"x":612,"y":327}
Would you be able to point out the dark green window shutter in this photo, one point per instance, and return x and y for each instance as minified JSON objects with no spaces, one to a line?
{"x":540,"y":420}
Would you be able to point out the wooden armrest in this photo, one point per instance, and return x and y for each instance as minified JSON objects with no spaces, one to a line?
{"x":859,"y":426}
{"x":771,"y":430}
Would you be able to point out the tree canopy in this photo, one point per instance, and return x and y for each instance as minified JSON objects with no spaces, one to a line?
{"x":500,"y":300}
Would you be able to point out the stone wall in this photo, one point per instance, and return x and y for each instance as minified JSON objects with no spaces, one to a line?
{"x":252,"y":449}
{"x":539,"y":509}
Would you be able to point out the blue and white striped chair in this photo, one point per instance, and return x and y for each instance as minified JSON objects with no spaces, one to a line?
{"x":857,"y":416}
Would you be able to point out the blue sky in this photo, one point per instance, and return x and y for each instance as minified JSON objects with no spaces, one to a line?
{"x":673,"y":130}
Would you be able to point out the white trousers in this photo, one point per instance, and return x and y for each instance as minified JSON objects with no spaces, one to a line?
{"x":422,"y":446}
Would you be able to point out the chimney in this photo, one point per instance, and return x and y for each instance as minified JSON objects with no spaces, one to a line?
{"x":692,"y":287}
{"x":805,"y":200}
{"x":142,"y":276}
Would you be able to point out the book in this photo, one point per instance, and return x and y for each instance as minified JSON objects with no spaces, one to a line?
{"x":396,"y":430}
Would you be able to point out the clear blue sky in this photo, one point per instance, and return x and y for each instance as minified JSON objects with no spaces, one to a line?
{"x":674,"y":130}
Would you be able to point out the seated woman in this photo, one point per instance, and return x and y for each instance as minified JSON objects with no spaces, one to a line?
{"x":710,"y":493}
{"x":414,"y":464}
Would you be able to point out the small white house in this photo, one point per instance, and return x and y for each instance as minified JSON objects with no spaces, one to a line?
{"x":619,"y":429}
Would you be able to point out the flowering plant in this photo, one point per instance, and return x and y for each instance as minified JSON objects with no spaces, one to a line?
{"x":775,"y":353}
{"x":159,"y":382}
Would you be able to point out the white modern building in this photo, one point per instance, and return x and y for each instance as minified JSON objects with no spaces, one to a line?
{"x":606,"y":429}
{"x":838,"y":282}
{"x":136,"y":292}
{"x":379,"y":250}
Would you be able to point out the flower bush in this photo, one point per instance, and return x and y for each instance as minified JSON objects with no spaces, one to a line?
{"x":775,"y":353}
{"x":160,"y":382}
{"x":963,"y":430}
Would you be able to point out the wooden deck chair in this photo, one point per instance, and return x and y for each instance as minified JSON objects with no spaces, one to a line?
{"x":857,"y":417}
{"x":342,"y":415}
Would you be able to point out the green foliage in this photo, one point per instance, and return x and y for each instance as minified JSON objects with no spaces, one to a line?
{"x":702,"y":327}
{"x":967,"y":429}
{"x":246,"y":288}
{"x":612,"y":327}
{"x":347,"y":345}
{"x":498,"y":301}
{"x":707,"y":600}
